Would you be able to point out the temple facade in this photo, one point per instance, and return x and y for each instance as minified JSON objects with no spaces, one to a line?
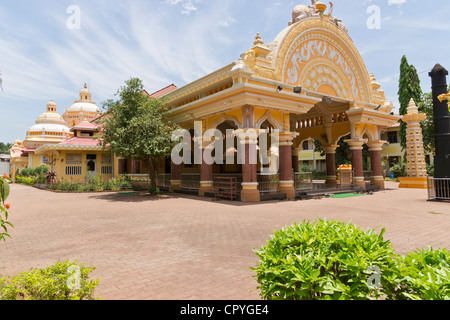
{"x":310,"y":82}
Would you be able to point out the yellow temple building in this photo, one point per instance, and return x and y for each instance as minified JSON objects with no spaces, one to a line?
{"x":310,"y":82}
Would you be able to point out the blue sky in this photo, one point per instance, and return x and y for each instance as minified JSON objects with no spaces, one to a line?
{"x":178,"y":41}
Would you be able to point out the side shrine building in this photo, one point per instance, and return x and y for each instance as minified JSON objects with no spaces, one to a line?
{"x":309,"y":82}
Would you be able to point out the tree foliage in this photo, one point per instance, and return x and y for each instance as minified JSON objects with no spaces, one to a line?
{"x":4,"y":147}
{"x":409,"y":88}
{"x":136,"y":126}
{"x":4,"y":194}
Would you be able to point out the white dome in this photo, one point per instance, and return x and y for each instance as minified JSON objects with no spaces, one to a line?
{"x":49,"y":127}
{"x":83,"y":107}
{"x":50,"y":117}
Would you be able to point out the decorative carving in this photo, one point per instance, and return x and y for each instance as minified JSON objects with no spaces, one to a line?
{"x":250,"y":59}
{"x":320,"y":49}
{"x":336,"y":21}
{"x":302,"y":12}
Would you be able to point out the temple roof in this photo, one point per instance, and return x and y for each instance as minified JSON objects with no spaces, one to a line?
{"x":81,"y":141}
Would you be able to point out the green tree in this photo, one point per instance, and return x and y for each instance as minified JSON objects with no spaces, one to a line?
{"x":426,"y":107}
{"x":137,"y":127}
{"x":4,"y":147}
{"x":409,"y":88}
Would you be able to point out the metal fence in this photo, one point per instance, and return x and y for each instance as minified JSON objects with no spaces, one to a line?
{"x":346,"y":178}
{"x":237,"y":176}
{"x":163,"y":180}
{"x":438,"y":188}
{"x":268,"y":183}
{"x":190,"y":181}
{"x":303,"y":180}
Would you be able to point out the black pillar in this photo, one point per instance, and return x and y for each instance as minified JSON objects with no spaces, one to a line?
{"x":441,"y":122}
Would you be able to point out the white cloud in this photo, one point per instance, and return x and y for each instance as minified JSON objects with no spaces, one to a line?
{"x":396,"y":2}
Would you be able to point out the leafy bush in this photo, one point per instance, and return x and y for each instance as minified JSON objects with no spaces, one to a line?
{"x":430,"y":170}
{"x":399,"y":170}
{"x":29,"y":181}
{"x":319,"y":175}
{"x":26,"y":172}
{"x":153,"y":190}
{"x":426,"y":275}
{"x":4,"y":194}
{"x":62,"y":281}
{"x":95,"y":184}
{"x":305,"y":168}
{"x":333,"y":260}
{"x":323,"y":261}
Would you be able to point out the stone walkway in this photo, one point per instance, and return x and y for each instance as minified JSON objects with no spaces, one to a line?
{"x":182,"y":247}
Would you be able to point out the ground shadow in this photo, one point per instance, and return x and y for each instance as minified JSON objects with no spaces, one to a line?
{"x":131,"y":197}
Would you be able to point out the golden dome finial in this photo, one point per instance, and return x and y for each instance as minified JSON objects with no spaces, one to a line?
{"x":85,"y":85}
{"x":258,"y":40}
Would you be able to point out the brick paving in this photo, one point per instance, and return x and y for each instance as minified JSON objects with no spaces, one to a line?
{"x":181,"y":247}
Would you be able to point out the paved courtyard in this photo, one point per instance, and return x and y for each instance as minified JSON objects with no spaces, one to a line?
{"x":184,"y":247}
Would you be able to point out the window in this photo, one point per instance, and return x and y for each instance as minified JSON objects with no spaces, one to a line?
{"x":73,"y":171}
{"x":306,"y":145}
{"x":106,"y":158}
{"x":44,"y":160}
{"x":393,"y":137}
{"x":73,"y":158}
{"x":106,"y":170}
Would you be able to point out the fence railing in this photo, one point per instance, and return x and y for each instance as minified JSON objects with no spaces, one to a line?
{"x":190,"y":181}
{"x":346,"y":178}
{"x":163,"y":180}
{"x":438,"y":188}
{"x":237,"y":176}
{"x":268,"y":183}
{"x":303,"y":180}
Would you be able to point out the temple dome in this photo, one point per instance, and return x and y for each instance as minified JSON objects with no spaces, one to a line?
{"x":83,"y":107}
{"x":50,"y":116}
{"x":84,"y":104}
{"x":50,"y":128}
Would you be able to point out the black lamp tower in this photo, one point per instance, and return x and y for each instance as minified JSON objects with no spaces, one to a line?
{"x":441,"y":122}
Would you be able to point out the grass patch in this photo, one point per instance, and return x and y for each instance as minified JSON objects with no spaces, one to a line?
{"x":346,"y":195}
{"x":432,"y":212}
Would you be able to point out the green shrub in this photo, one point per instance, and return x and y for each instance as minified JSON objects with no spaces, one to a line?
{"x":30,"y":181}
{"x":95,"y":184}
{"x":25,"y":172}
{"x":399,"y":170}
{"x":332,"y":260}
{"x":62,"y":281}
{"x":323,"y":261}
{"x":42,"y":170}
{"x":319,"y":175}
{"x":153,"y":190}
{"x":430,"y":170}
{"x":425,"y":275}
{"x":305,"y":168}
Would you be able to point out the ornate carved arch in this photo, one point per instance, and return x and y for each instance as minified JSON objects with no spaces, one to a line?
{"x":269,"y":117}
{"x":224,"y":118}
{"x":317,"y":39}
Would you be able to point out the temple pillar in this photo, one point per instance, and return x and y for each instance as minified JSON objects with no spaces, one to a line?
{"x":175,"y":177}
{"x":206,"y":174}
{"x":250,"y":191}
{"x":330,"y":152}
{"x":295,"y":160}
{"x":356,"y":147}
{"x":375,"y":148}
{"x":285,"y":160}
